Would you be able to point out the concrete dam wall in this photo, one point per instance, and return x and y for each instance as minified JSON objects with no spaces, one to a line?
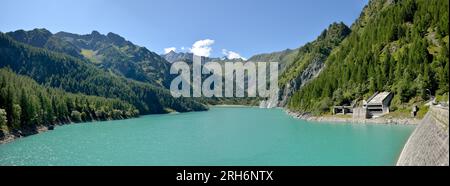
{"x":428,"y":144}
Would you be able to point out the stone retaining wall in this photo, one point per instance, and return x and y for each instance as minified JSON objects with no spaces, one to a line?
{"x":428,"y":144}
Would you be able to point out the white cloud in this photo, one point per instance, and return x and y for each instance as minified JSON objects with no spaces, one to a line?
{"x":232,"y":55}
{"x":167,"y":50}
{"x":202,"y":47}
{"x":185,"y":49}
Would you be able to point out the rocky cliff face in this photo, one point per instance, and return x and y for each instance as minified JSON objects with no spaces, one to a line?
{"x":287,"y":90}
{"x":172,"y":56}
{"x":308,"y":74}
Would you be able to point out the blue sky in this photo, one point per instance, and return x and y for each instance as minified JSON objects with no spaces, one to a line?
{"x":244,"y":27}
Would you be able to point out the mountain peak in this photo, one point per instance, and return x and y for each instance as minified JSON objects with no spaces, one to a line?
{"x":116,"y":39}
{"x":42,"y":31}
{"x":335,"y":30}
{"x":113,"y":35}
{"x":95,"y":33}
{"x":36,"y":37}
{"x":171,"y":53}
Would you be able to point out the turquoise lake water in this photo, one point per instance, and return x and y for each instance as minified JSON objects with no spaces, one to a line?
{"x":221,"y":136}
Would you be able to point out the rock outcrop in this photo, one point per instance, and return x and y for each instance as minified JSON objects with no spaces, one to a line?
{"x":308,"y":74}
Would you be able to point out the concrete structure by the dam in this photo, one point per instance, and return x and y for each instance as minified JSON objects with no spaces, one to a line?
{"x":428,"y":144}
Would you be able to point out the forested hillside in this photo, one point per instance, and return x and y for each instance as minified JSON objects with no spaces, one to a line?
{"x":58,"y":70}
{"x":397,"y":46}
{"x":24,"y":104}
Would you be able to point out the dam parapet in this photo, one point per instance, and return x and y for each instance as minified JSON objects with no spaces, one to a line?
{"x":428,"y":144}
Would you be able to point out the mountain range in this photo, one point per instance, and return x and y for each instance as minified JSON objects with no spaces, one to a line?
{"x":109,"y":52}
{"x":172,"y":57}
{"x":72,"y":74}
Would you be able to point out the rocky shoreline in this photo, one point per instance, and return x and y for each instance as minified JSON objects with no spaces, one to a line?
{"x":11,"y":136}
{"x":7,"y":137}
{"x":381,"y":120}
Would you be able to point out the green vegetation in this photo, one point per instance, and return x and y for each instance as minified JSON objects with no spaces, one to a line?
{"x":422,"y":111}
{"x":26,"y":104}
{"x":396,"y":46}
{"x":249,"y":101}
{"x":90,"y":55}
{"x":442,"y":98}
